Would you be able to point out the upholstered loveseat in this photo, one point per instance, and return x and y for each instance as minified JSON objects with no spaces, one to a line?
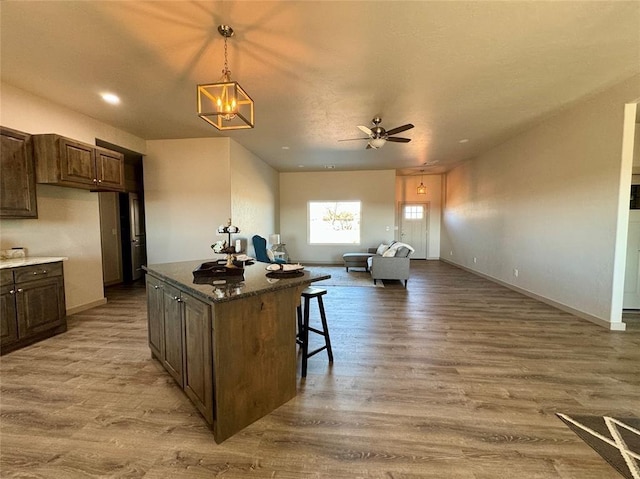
{"x":390,"y":262}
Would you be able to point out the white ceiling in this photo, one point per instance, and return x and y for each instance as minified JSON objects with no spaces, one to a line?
{"x":478,"y":70}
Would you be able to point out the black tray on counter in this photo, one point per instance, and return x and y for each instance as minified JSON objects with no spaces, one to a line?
{"x":217,"y":270}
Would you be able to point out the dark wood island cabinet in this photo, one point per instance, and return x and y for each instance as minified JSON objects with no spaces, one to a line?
{"x":231,"y":348}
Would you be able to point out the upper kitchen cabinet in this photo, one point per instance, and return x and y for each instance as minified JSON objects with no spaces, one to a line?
{"x":64,"y":162}
{"x":17,"y":176}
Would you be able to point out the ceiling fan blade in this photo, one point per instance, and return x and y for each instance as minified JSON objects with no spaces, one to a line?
{"x":365,"y":130}
{"x":397,"y":139}
{"x":399,"y":129}
{"x":353,"y":139}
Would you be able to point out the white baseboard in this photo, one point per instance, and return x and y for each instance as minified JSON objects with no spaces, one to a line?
{"x":84,"y":307}
{"x":562,"y":307}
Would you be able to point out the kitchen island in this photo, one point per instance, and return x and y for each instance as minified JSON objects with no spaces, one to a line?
{"x":229,"y":345}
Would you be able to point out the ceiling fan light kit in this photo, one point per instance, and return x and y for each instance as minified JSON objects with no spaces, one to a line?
{"x":225,"y":104}
{"x":378,"y":136}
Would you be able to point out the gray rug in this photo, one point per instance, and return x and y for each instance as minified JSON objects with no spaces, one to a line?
{"x":340,"y":277}
{"x":616,"y":439}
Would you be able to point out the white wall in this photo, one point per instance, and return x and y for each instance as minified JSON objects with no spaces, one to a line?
{"x":546,"y":202}
{"x":192,"y":186}
{"x":375,"y":189}
{"x":68,"y":221}
{"x":406,"y":192}
{"x":187,"y":195}
{"x":254,"y":195}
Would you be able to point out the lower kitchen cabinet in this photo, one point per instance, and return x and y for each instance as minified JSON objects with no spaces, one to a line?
{"x":180,"y":338}
{"x":32,"y":304}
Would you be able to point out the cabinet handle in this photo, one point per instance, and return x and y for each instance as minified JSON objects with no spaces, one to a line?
{"x":99,"y":181}
{"x":20,"y":290}
{"x":95,"y":180}
{"x":13,"y":291}
{"x":155,"y":286}
{"x":175,"y":298}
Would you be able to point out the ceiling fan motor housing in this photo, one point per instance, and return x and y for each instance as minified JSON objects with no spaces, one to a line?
{"x":378,"y":132}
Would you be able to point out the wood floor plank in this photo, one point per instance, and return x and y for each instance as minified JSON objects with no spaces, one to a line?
{"x":453,"y":377}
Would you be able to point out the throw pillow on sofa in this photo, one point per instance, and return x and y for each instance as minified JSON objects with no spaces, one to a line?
{"x":389,"y":253}
{"x":382,"y":248}
{"x":397,"y":245}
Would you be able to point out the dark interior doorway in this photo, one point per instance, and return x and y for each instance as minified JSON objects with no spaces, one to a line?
{"x":133,"y":251}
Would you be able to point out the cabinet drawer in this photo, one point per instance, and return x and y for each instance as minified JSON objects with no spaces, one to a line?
{"x":38,"y":271}
{"x":6,"y":277}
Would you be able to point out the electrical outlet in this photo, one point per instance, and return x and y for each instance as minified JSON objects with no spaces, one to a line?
{"x":475,"y":260}
{"x":516,"y":272}
{"x":450,"y":253}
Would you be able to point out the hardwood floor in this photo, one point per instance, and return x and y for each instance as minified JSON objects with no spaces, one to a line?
{"x":455,"y":377}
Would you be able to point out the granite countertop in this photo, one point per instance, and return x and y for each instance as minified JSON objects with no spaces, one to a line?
{"x":255,"y":280}
{"x":29,"y":261}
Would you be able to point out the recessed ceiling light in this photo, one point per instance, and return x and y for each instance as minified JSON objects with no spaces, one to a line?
{"x":110,"y":98}
{"x":329,"y":167}
{"x":464,"y":140}
{"x":285,"y":147}
{"x":300,"y":166}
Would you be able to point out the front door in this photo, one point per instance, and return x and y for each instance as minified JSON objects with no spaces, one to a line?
{"x":413,"y":227}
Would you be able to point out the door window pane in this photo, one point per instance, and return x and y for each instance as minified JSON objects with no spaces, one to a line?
{"x":413,"y":212}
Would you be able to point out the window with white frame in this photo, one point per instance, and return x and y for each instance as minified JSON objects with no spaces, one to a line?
{"x":413,"y":212}
{"x":334,"y":222}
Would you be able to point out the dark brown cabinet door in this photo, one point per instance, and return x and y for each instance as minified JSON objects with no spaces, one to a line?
{"x":155,"y":312}
{"x":109,"y":170}
{"x":65,"y":162}
{"x":17,"y":176}
{"x":172,"y":356}
{"x":40,"y":306}
{"x":198,"y":379}
{"x":8,"y":321}
{"x":77,"y":163}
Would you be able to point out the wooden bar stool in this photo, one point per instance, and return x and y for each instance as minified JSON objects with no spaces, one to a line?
{"x":303,"y":327}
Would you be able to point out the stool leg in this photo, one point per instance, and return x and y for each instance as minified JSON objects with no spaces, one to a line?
{"x":325,"y":328}
{"x":305,"y":338}
{"x":299,"y":317}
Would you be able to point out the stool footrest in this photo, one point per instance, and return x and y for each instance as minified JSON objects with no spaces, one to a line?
{"x":316,"y":351}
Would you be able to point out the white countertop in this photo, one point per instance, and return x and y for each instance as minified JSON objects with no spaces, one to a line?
{"x":29,"y":261}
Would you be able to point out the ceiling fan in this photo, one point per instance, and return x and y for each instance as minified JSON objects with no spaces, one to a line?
{"x":378,"y":136}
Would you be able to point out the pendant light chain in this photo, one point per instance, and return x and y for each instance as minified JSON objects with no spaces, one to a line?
{"x":226,"y":74}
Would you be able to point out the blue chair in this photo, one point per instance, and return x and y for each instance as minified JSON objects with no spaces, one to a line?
{"x":260,"y":247}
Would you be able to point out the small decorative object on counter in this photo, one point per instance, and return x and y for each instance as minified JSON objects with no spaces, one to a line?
{"x":225,"y":247}
{"x":229,"y":269}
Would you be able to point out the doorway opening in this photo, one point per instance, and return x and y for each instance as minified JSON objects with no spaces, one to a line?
{"x":122,"y":223}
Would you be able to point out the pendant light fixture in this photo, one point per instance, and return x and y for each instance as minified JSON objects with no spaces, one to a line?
{"x":225,"y":104}
{"x":422,"y":190}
